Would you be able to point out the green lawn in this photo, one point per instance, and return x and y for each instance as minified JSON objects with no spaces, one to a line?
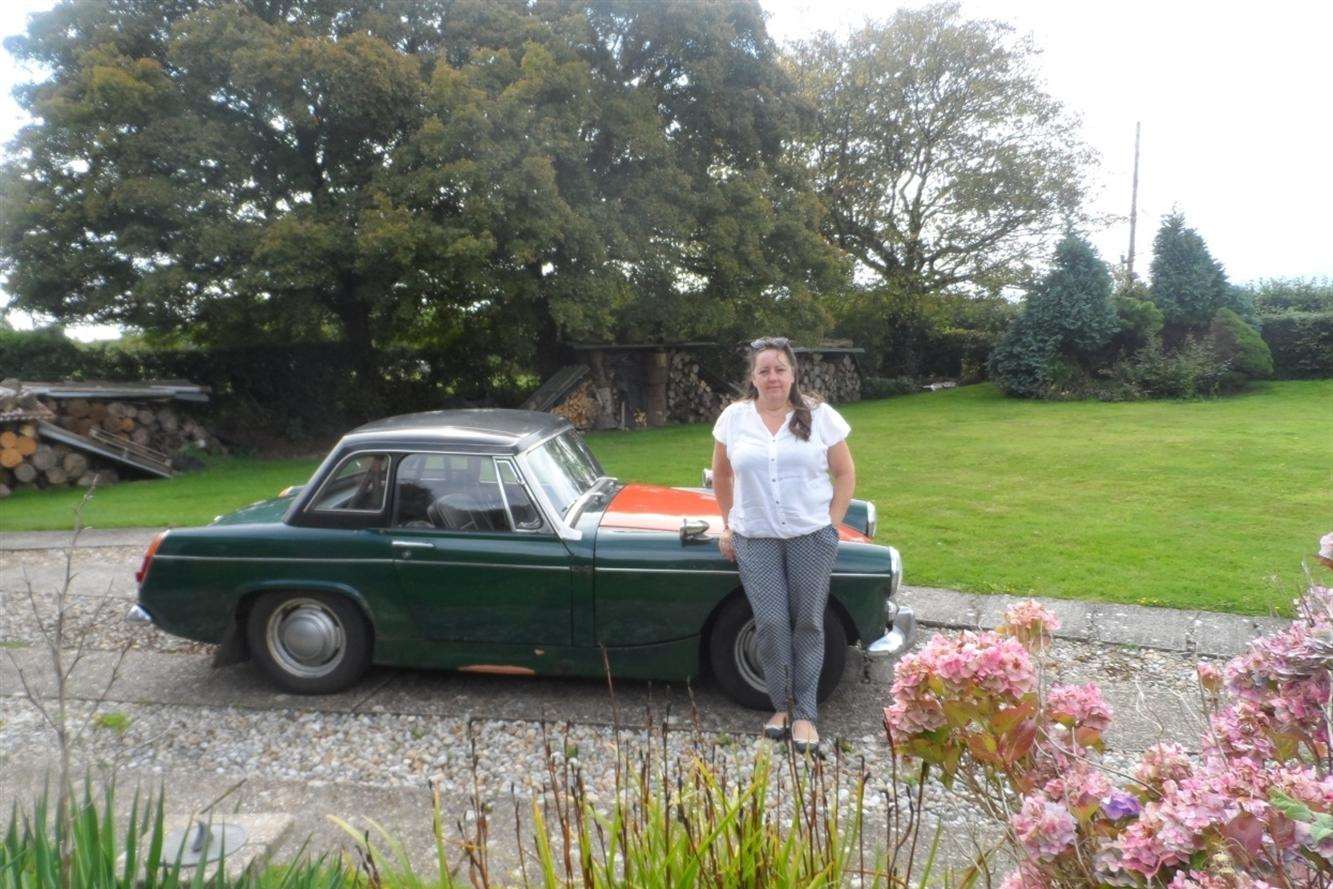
{"x":1207,"y":504}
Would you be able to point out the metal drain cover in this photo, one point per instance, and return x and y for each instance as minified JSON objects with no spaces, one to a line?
{"x":201,"y":843}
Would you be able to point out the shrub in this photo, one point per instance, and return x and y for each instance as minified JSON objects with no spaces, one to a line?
{"x":1140,"y":323}
{"x":1240,"y":346}
{"x":1301,"y":343}
{"x":1254,"y":809}
{"x":1020,"y":364}
{"x":1191,"y":370}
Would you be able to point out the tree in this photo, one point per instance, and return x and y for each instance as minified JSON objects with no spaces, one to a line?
{"x":442,"y":171}
{"x":1072,"y":304}
{"x":941,"y":158}
{"x":1069,"y":316}
{"x":1186,"y":283}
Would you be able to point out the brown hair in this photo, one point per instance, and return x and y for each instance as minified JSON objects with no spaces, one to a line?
{"x":801,"y":403}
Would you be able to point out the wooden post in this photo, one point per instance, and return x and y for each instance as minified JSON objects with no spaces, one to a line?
{"x":1133,"y":204}
{"x":657,"y":379}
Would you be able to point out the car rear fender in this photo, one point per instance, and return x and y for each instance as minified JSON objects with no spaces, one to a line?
{"x":838,"y":609}
{"x":233,"y":645}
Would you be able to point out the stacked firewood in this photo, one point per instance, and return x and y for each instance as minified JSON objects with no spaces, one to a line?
{"x":147,"y":424}
{"x":689,"y":398}
{"x":832,"y":376}
{"x":29,"y":460}
{"x":579,"y":407}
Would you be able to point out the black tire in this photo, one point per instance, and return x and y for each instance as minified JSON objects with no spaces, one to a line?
{"x":739,"y":679}
{"x":325,"y":651}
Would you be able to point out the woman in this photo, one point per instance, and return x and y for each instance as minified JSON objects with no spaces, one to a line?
{"x":773,"y":454}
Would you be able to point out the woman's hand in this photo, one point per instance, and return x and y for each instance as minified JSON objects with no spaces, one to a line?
{"x":728,"y":548}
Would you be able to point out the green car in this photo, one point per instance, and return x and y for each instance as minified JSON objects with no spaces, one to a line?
{"x":491,"y":541}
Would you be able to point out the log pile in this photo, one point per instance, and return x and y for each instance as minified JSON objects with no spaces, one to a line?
{"x":29,"y":461}
{"x":689,"y":398}
{"x":831,"y":375}
{"x":617,"y":391}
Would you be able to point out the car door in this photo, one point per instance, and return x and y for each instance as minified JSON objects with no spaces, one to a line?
{"x":475,"y":559}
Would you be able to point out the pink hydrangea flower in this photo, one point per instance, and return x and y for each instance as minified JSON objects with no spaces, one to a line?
{"x":968,"y":666}
{"x":1161,"y":763}
{"x":1030,"y":623}
{"x":1079,"y":706}
{"x":1080,"y":786}
{"x":1045,"y":828}
{"x":1210,"y":678}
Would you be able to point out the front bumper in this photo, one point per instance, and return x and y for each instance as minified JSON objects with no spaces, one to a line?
{"x":898,"y":638}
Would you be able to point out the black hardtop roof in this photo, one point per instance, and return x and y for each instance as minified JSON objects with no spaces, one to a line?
{"x":480,"y":429}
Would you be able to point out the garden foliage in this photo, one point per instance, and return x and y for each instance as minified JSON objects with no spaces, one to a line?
{"x":1188,"y":334}
{"x":1253,"y":810}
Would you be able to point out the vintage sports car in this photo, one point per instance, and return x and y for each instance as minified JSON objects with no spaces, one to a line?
{"x":491,"y":541}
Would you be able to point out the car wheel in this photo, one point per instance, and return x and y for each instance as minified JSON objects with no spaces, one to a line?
{"x":309,"y":643}
{"x":733,"y":651}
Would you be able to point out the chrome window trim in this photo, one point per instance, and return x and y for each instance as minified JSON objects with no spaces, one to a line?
{"x":526,"y":487}
{"x":332,"y":474}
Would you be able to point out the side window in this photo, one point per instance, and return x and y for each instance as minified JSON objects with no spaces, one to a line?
{"x":461,"y":492}
{"x":360,"y":484}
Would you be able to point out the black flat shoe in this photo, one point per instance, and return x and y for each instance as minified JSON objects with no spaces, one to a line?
{"x":804,"y":747}
{"x":776,"y":732}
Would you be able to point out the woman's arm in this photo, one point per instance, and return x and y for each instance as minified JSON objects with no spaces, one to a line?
{"x":843,"y":471}
{"x":722,"y":480}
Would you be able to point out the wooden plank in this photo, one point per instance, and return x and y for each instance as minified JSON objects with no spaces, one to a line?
{"x":109,"y":450}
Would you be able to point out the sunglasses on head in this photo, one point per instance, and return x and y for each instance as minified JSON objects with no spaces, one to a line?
{"x":770,"y":342}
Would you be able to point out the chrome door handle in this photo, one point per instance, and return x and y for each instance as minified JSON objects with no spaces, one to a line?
{"x":414,"y":544}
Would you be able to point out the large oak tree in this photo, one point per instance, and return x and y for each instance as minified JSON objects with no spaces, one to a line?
{"x":379,"y":172}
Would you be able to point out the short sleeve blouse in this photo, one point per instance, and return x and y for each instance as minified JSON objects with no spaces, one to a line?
{"x":782,"y":486}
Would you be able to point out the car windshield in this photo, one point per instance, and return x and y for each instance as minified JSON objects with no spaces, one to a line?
{"x":565,"y":469}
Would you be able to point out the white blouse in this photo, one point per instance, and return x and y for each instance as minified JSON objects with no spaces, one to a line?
{"x":782,"y":486}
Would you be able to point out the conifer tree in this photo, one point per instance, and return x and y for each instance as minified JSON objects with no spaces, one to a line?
{"x":1186,"y":283}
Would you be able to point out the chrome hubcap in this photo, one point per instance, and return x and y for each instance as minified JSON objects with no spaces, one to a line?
{"x":306,"y":638}
{"x":746,"y":655}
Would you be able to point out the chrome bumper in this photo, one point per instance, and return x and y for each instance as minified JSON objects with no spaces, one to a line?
{"x":137,"y":615}
{"x":898,"y":639}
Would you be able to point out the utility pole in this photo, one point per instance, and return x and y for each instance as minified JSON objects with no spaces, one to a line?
{"x":1134,"y":203}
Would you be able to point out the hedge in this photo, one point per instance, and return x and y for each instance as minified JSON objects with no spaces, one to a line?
{"x":263,"y":392}
{"x":1301,"y":343}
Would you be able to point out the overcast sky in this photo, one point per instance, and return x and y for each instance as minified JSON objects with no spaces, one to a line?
{"x":1236,"y":103}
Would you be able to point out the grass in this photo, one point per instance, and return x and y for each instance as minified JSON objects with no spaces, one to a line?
{"x":191,"y":499}
{"x":1197,"y":504}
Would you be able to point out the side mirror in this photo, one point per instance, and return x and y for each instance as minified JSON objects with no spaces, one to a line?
{"x":708,"y":478}
{"x":692,"y":529}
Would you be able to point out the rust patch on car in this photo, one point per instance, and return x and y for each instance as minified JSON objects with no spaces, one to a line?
{"x":498,"y":669}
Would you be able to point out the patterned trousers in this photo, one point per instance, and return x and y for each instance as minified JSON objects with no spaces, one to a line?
{"x":787,"y":583}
